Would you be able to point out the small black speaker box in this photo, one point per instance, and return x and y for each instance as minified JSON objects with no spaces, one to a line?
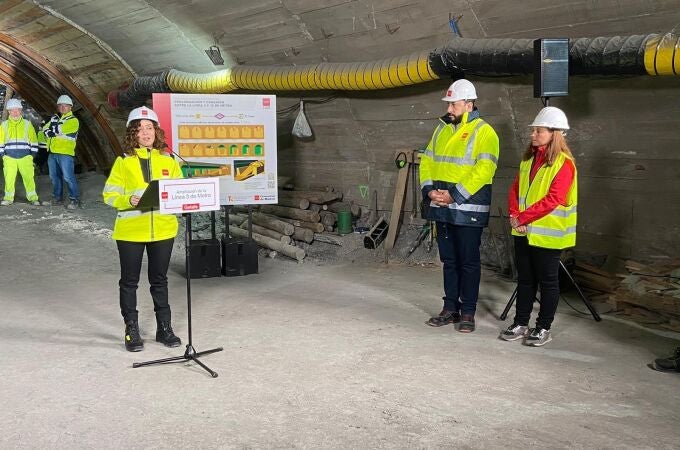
{"x":205,"y":258}
{"x":238,"y":257}
{"x":551,"y":67}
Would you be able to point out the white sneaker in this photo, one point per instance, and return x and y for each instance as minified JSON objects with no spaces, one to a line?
{"x":36,"y":203}
{"x":538,"y":337}
{"x":6,"y":202}
{"x":514,"y":332}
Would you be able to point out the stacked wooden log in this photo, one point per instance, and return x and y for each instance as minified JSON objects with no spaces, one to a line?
{"x":593,"y":278}
{"x":650,"y":294}
{"x":300,"y":216}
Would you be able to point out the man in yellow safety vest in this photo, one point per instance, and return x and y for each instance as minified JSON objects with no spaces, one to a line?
{"x":60,"y":135}
{"x":18,"y":146}
{"x":456,"y":171}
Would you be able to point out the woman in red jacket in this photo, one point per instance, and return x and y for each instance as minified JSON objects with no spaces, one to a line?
{"x":542,"y":205}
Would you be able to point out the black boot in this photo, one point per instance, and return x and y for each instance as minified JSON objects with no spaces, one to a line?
{"x":133,"y":341}
{"x":670,"y":364}
{"x":166,"y":336}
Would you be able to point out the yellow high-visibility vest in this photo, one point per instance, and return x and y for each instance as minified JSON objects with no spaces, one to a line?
{"x":461,"y":159}
{"x":127,"y":179}
{"x":556,"y":230}
{"x":18,"y":138}
{"x":64,"y":142}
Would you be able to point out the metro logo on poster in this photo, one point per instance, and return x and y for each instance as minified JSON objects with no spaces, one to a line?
{"x":266,"y":102}
{"x":164,"y":195}
{"x":256,"y":197}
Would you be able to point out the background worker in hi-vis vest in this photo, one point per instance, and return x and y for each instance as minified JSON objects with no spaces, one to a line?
{"x":542,"y":205}
{"x":456,"y":171}
{"x":59,"y":135}
{"x":18,"y":146}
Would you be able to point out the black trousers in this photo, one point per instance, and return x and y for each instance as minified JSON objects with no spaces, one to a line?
{"x":158,"y":255}
{"x":536,"y":266}
{"x":459,"y":251}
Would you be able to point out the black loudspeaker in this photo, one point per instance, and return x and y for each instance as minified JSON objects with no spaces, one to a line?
{"x":551,"y":67}
{"x":205,"y":258}
{"x":238,"y":257}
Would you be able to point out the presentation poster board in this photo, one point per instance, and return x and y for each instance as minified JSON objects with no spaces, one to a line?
{"x":231,"y":137}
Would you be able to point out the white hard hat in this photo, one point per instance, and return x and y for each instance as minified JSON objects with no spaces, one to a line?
{"x":14,"y":103}
{"x":551,"y":117}
{"x":460,"y":90}
{"x":142,"y":113}
{"x":64,"y":100}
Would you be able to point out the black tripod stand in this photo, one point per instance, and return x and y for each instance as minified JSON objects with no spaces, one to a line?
{"x":513,"y":297}
{"x":190,"y":353}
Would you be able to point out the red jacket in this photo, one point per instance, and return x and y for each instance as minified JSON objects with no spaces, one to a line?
{"x":557,"y":195}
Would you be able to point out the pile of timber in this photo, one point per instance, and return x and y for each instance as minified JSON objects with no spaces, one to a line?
{"x":595,"y":279}
{"x":300,"y":216}
{"x":650,"y":294}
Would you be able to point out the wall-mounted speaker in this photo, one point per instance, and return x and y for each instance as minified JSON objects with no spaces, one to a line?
{"x":551,"y":67}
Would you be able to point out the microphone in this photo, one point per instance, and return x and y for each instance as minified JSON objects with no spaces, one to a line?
{"x":170,"y":150}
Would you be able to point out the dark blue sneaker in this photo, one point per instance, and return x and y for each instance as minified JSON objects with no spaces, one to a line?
{"x":444,"y":318}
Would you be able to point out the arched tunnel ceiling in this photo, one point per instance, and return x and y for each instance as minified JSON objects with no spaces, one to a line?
{"x":99,"y":45}
{"x":42,"y":56}
{"x":153,"y":35}
{"x":147,"y":35}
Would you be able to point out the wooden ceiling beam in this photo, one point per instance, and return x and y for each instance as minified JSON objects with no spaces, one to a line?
{"x":23,"y":59}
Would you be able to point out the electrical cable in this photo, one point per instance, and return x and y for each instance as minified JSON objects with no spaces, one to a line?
{"x":296,"y":106}
{"x":401,"y":163}
{"x":572,"y":306}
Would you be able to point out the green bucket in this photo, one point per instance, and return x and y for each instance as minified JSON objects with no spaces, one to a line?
{"x":344,"y":222}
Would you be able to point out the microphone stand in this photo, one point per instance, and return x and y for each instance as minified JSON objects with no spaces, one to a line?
{"x":182,"y":159}
{"x":190,"y":354}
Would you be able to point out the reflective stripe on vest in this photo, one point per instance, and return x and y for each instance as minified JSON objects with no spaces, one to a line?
{"x":426,"y":183}
{"x":465,"y":207}
{"x":466,"y":160}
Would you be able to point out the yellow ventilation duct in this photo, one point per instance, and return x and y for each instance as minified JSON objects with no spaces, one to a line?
{"x":381,"y":74}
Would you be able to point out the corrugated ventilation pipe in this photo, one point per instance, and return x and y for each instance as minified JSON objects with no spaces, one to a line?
{"x":651,"y":54}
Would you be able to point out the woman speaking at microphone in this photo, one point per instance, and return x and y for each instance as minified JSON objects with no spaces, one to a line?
{"x":542,"y":205}
{"x":136,"y":230}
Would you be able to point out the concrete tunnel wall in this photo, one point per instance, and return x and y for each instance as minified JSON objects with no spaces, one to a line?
{"x":621,"y":136}
{"x":623,"y":128}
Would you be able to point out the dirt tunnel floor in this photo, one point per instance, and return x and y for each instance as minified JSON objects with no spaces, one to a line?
{"x":333,"y":356}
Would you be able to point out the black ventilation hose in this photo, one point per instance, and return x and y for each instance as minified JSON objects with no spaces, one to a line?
{"x":141,"y":88}
{"x":587,"y":56}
